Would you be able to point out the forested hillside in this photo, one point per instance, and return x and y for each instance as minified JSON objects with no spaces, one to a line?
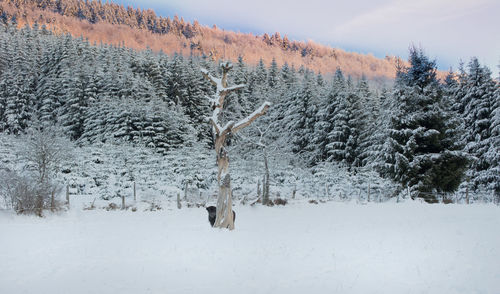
{"x":428,"y":137}
{"x":141,"y":29}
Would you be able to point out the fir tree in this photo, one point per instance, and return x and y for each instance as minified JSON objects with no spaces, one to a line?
{"x":337,"y":138}
{"x":493,"y":154}
{"x":477,"y":98}
{"x":273,"y":76}
{"x":301,"y":119}
{"x":422,"y":151}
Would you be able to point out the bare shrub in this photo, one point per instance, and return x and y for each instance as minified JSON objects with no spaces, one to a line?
{"x":153,"y":206}
{"x":257,"y":201}
{"x":197,"y":205}
{"x":112,"y":206}
{"x":280,"y":201}
{"x":32,"y":189}
{"x":17,"y":191}
{"x":25,"y":195}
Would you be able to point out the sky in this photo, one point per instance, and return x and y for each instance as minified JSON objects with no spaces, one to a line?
{"x":447,"y":30}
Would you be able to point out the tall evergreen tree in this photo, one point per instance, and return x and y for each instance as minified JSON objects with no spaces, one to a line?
{"x":377,"y":128}
{"x":339,"y":116}
{"x":493,"y":153}
{"x":422,"y":151}
{"x":477,"y":99}
{"x":301,"y":118}
{"x":273,"y":76}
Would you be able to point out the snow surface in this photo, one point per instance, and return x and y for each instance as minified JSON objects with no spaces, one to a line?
{"x":332,"y":247}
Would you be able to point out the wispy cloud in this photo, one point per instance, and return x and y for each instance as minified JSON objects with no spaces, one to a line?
{"x":407,"y":14}
{"x":448,"y":29}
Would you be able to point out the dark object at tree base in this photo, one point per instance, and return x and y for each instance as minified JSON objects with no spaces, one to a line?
{"x":212,"y":214}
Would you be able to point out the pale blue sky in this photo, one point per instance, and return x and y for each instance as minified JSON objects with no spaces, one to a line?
{"x":448,"y":30}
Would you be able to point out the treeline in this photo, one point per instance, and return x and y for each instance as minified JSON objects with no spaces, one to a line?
{"x":96,"y":11}
{"x":140,"y":29}
{"x":428,"y":136}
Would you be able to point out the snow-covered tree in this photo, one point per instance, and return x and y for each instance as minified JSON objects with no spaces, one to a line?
{"x":339,"y":134}
{"x":476,"y":96}
{"x":300,"y":119}
{"x":422,"y":151}
{"x":493,"y":154}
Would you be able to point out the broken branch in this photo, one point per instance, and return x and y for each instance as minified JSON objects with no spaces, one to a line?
{"x":249,"y":119}
{"x":215,"y":81}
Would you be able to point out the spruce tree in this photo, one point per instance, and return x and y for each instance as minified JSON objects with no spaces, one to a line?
{"x":377,"y":129}
{"x":273,"y":76}
{"x":301,"y":118}
{"x":477,"y":99}
{"x":339,"y":115}
{"x":422,"y":151}
{"x":493,"y":153}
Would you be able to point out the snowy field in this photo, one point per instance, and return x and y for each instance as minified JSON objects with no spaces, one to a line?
{"x":301,"y":248}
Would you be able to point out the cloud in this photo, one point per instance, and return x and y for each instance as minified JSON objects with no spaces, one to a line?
{"x":446,"y":29}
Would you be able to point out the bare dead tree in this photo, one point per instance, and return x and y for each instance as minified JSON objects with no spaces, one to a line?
{"x":263,"y":145}
{"x":224,"y":218}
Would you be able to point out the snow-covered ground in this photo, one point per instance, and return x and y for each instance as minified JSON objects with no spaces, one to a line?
{"x":300,"y":248}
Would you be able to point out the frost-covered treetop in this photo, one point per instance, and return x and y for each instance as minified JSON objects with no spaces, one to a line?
{"x":226,"y":65}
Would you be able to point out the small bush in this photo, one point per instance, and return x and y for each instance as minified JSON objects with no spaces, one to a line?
{"x":280,"y":201}
{"x":26,"y":196}
{"x":112,"y":206}
{"x":255,"y":202}
{"x":197,"y":205}
{"x":153,"y":206}
{"x":312,"y":201}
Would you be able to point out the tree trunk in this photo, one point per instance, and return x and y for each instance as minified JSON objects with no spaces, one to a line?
{"x":258,"y":189}
{"x":52,"y":201}
{"x":67,"y":195}
{"x":467,"y":193}
{"x":265,"y":194}
{"x":224,"y":218}
{"x":39,"y":205}
{"x":368,"y":191}
{"x":135,"y":194}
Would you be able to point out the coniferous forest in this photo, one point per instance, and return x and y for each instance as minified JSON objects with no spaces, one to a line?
{"x":430,"y":138}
